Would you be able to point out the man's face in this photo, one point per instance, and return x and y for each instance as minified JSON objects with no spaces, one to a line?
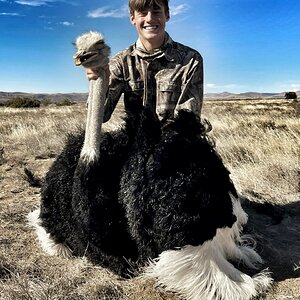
{"x":150,"y":24}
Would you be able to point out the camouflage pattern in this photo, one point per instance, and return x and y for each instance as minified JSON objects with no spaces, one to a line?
{"x":169,"y":79}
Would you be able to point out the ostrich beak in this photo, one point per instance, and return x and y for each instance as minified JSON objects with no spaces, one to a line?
{"x":81,"y":57}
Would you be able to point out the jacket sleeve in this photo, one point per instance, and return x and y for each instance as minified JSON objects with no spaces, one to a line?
{"x":191,"y":97}
{"x":115,"y":89}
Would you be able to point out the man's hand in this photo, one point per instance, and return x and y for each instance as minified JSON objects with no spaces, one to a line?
{"x":92,"y":74}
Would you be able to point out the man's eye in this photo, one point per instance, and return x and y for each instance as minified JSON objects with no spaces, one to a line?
{"x":143,"y":13}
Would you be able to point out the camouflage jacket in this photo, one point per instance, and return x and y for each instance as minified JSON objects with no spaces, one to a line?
{"x":169,"y":79}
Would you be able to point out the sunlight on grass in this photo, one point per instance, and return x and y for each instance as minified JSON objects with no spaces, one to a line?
{"x":260,"y":147}
{"x":258,"y":141}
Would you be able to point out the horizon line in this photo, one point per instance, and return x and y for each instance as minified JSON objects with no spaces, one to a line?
{"x":84,"y":92}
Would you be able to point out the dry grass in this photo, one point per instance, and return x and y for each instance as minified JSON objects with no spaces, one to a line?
{"x":258,"y":140}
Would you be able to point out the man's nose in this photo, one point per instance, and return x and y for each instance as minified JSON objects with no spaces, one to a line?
{"x":149,"y":16}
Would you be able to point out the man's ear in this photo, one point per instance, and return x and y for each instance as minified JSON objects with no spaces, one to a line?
{"x":167,"y":17}
{"x":132,"y":19}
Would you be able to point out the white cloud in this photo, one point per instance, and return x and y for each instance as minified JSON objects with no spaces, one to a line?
{"x":106,"y":12}
{"x":295,"y":85}
{"x":211,"y":85}
{"x":40,"y":2}
{"x":66,"y":23}
{"x":290,"y":86}
{"x":33,"y":2}
{"x":230,"y":87}
{"x":9,"y":14}
{"x":179,"y":9}
{"x":225,"y":86}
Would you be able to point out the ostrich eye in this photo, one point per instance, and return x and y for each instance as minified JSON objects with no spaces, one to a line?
{"x":86,"y":56}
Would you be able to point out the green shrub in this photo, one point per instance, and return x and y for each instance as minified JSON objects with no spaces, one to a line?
{"x":46,"y":102}
{"x":291,"y":95}
{"x":65,"y":102}
{"x":22,"y":102}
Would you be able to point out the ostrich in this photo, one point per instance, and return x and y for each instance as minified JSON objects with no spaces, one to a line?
{"x":150,"y":191}
{"x":79,"y":214}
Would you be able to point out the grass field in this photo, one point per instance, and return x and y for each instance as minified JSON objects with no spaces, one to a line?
{"x":259,"y":141}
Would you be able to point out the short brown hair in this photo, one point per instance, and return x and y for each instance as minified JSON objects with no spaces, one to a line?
{"x":140,"y":5}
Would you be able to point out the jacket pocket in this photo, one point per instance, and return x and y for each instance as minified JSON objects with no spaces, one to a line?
{"x":167,"y":96}
{"x":133,"y":97}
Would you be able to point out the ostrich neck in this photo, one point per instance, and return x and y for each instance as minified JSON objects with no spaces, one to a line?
{"x":97,"y":94}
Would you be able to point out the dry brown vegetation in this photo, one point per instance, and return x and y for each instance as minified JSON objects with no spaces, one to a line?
{"x":257,"y":139}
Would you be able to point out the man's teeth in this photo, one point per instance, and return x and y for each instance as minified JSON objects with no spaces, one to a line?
{"x":150,"y":27}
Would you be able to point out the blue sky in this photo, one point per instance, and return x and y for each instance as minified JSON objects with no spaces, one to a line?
{"x":247,"y":45}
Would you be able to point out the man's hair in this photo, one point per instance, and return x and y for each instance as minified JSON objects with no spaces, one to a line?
{"x":140,"y":5}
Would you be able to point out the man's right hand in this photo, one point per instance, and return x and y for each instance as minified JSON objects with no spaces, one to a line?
{"x":92,"y":74}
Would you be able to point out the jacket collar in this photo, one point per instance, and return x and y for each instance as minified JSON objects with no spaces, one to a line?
{"x":164,"y":50}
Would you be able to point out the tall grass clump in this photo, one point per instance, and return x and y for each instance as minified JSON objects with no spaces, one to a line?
{"x":259,"y":143}
{"x":39,"y":131}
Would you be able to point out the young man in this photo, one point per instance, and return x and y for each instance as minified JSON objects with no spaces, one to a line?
{"x":165,"y":75}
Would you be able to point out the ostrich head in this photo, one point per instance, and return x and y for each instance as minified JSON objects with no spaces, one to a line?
{"x":92,"y":52}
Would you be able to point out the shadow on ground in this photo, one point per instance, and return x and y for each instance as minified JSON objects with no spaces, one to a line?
{"x":276,"y":229}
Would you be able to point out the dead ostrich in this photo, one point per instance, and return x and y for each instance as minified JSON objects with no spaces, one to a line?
{"x":151,"y":191}
{"x":79,"y":213}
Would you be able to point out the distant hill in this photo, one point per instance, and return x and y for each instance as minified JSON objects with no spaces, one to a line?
{"x":79,"y":97}
{"x":248,"y":95}
{"x":56,"y":98}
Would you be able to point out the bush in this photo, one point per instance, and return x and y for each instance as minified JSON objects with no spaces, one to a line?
{"x":22,"y":102}
{"x":65,"y":102}
{"x":291,"y":95}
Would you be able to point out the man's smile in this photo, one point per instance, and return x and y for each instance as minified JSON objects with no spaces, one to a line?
{"x":150,"y":27}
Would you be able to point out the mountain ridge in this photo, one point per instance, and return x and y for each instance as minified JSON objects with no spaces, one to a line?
{"x":247,"y":95}
{"x":80,"y":97}
{"x":43,"y":97}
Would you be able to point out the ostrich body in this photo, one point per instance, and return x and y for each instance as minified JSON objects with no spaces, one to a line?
{"x":172,"y":186}
{"x":184,"y":212}
{"x":151,"y":190}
